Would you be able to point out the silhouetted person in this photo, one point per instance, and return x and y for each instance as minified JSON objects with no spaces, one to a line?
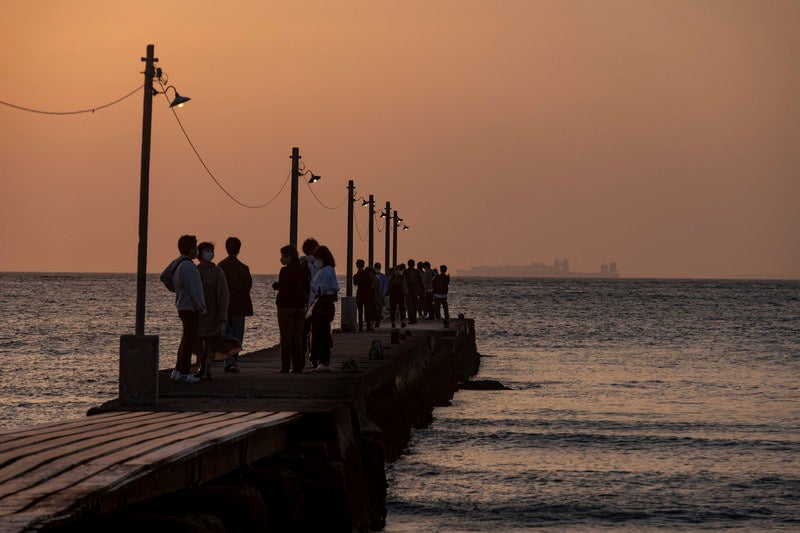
{"x":213,"y":323}
{"x":427,"y":282}
{"x":441,"y":285}
{"x":397,"y":294}
{"x":415,"y":288}
{"x":240,"y":282}
{"x":382,"y":292}
{"x":293,"y":286}
{"x":308,"y":261}
{"x":365,"y":296}
{"x":190,"y":303}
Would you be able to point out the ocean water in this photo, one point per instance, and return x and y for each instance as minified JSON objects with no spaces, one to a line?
{"x":635,"y":405}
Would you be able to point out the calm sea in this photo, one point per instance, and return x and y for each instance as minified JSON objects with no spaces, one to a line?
{"x":635,"y":405}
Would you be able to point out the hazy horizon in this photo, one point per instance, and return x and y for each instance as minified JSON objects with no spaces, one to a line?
{"x":658,"y":135}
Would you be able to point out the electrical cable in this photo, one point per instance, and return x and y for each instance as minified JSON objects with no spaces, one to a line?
{"x":211,"y":174}
{"x":92,"y":110}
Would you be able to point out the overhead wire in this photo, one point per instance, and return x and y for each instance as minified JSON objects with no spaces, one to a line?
{"x":211,"y":174}
{"x":77,"y":112}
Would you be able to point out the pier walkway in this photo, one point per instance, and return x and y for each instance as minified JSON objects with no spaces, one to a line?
{"x":307,"y":434}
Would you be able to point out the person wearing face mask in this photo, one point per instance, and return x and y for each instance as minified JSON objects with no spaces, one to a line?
{"x":190,"y":303}
{"x":293,"y":288}
{"x":325,"y":289}
{"x":213,"y":323}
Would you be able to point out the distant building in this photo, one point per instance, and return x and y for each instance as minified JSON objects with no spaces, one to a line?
{"x":559,"y":269}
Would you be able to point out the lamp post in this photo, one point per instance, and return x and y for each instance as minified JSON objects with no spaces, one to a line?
{"x":144,"y":188}
{"x":371,"y":250}
{"x":293,"y":209}
{"x":388,"y":216}
{"x":395,"y":223}
{"x":348,"y":303}
{"x":138,"y":353}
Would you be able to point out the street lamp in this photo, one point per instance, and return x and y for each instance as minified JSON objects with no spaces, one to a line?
{"x":293,"y":207}
{"x":138,"y":362}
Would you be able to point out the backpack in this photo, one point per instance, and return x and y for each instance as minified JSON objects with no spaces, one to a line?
{"x":168,"y":275}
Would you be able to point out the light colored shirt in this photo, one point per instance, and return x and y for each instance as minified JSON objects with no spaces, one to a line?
{"x":325,"y":282}
{"x":189,"y":294}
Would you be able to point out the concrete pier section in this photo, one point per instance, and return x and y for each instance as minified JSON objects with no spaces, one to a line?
{"x":312,"y":458}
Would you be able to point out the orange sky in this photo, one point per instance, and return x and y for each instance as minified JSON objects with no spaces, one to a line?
{"x":660,"y":135}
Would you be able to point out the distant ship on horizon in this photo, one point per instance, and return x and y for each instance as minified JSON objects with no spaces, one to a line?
{"x":559,"y":269}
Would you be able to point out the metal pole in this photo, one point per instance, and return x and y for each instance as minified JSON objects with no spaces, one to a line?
{"x":350,"y":200}
{"x":394,"y":244}
{"x":144,"y":189}
{"x":293,"y":210}
{"x":371,"y":253}
{"x":387,"y":228}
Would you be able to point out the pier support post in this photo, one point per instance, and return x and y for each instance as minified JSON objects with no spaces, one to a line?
{"x":138,"y":369}
{"x":348,"y":311}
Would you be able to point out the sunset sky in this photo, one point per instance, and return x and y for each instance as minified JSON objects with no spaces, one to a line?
{"x":663,"y":135}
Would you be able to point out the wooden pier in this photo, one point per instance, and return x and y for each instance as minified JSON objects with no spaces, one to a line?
{"x":308,"y":449}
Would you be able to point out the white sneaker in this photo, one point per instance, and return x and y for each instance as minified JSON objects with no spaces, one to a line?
{"x":323,"y":368}
{"x":186,"y":378}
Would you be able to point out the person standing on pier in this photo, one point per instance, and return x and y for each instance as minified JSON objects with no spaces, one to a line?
{"x":240,"y":281}
{"x":415,"y":287}
{"x":397,"y":292}
{"x":441,"y":284}
{"x":308,"y":261}
{"x":365,"y":296}
{"x":381,"y":293}
{"x":293,"y":287}
{"x":427,"y":282}
{"x":213,"y":323}
{"x":325,"y":289}
{"x":190,"y":303}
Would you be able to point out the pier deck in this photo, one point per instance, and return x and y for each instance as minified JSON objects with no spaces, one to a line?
{"x":64,"y":473}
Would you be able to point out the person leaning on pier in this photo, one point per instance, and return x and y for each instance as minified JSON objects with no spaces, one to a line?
{"x":190,"y":303}
{"x":325,"y":289}
{"x":293,"y":288}
{"x":240,"y":281}
{"x":213,"y":323}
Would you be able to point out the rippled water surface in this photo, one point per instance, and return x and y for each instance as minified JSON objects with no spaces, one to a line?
{"x":635,"y":404}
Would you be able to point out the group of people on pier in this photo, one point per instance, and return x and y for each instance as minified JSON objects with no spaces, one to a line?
{"x":415,"y":290}
{"x":213,"y":300}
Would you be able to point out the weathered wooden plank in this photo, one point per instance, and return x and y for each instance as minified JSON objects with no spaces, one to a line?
{"x":73,"y":450}
{"x":45,"y":430}
{"x":76,"y":467}
{"x":123,"y":469}
{"x":27,"y":444}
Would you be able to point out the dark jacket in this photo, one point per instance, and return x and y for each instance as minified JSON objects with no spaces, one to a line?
{"x":239,"y":284}
{"x":292,"y":286}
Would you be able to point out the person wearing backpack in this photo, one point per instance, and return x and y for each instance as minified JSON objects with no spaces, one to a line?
{"x":183,"y":278}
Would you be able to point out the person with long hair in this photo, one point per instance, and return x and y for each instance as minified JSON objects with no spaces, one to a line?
{"x":325,"y":289}
{"x":292,"y":287}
